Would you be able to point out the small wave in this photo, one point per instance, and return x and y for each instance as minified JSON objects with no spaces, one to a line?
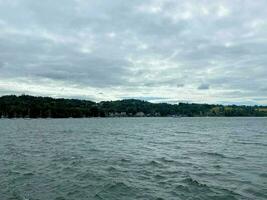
{"x":160,"y":198}
{"x":222,"y":156}
{"x":191,"y":141}
{"x":166,"y":160}
{"x":59,"y":198}
{"x":75,"y":162}
{"x":213,"y":154}
{"x":256,"y":192}
{"x":252,"y":143}
{"x":68,"y":169}
{"x":117,"y":188}
{"x":99,"y":197}
{"x":28,"y":174}
{"x":119,"y":185}
{"x":182,"y":188}
{"x":238,"y":158}
{"x":154,"y":163}
{"x":185,"y":132}
{"x":125,"y":160}
{"x":189,"y":180}
{"x":94,"y":150}
{"x":217,"y":166}
{"x":13,"y":172}
{"x":73,"y":192}
{"x":89,"y":174}
{"x":111,"y":168}
{"x":17,"y":196}
{"x":210,"y":191}
{"x":264,"y":175}
{"x":115,"y":133}
{"x":158,"y":176}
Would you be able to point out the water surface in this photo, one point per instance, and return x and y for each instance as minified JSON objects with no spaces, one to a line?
{"x":133,"y":158}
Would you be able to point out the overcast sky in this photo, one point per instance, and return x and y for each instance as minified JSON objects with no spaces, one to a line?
{"x":159,"y":50}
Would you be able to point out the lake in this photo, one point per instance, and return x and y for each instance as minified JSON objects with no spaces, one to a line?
{"x":133,"y":158}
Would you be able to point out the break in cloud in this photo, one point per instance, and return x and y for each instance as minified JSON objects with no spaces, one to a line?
{"x":157,"y":50}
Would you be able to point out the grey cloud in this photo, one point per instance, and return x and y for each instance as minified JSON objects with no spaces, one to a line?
{"x":204,"y":86}
{"x":180,"y":85}
{"x":142,"y":45}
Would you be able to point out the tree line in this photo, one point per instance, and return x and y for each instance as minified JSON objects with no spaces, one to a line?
{"x":26,"y":106}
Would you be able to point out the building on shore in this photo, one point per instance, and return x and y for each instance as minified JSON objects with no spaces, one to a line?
{"x":140,"y":114}
{"x":117,"y":114}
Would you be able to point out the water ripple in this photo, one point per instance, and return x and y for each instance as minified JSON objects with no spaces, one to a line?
{"x":146,"y":159}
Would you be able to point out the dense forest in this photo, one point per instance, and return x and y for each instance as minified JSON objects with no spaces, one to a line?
{"x":44,"y":107}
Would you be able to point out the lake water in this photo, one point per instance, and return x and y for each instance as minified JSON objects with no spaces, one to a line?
{"x":133,"y":158}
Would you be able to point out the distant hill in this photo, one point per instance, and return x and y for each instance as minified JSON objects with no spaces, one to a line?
{"x":26,"y":106}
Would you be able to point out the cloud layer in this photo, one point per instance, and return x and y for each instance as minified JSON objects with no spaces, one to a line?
{"x":160,"y":50}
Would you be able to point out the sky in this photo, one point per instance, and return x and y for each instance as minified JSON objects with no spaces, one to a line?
{"x":202,"y":51}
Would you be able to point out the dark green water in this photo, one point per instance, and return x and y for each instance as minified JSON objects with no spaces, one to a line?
{"x":133,"y":158}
